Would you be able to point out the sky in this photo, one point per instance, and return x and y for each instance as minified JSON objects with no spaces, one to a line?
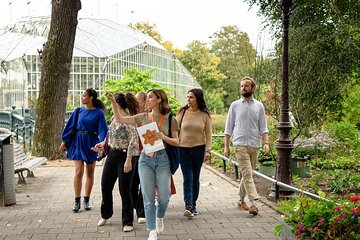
{"x":178,"y":21}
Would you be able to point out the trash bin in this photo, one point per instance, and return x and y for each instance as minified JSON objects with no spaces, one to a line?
{"x":7,"y":179}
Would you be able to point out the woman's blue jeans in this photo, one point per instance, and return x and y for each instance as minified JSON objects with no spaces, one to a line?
{"x":191,"y":160}
{"x":155,"y":171}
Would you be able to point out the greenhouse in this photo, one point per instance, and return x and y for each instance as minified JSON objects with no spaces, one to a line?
{"x":103,"y":50}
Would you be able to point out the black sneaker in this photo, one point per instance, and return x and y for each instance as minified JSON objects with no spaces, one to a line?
{"x":76,"y":207}
{"x":87,"y":206}
{"x":194,"y":211}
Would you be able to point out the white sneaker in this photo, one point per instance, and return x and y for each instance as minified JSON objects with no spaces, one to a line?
{"x":128,"y":228}
{"x":152,"y":235}
{"x":188,"y":214}
{"x":141,"y":220}
{"x":102,"y":222}
{"x":160,"y":225}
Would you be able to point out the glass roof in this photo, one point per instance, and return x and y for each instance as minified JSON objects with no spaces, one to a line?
{"x":94,"y":38}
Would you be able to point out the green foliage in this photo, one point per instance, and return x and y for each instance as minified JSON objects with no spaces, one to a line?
{"x":331,"y":181}
{"x":337,"y":162}
{"x":151,"y":30}
{"x":351,"y":105}
{"x":70,"y":107}
{"x":204,"y":67}
{"x":218,"y":123}
{"x":218,"y":146}
{"x":309,"y":151}
{"x":324,"y":47}
{"x":214,"y":102}
{"x":32,"y":102}
{"x":313,"y":183}
{"x":135,"y":80}
{"x":236,"y":55}
{"x":345,"y":132}
{"x":148,"y":29}
{"x":343,"y":180}
{"x":317,"y":220}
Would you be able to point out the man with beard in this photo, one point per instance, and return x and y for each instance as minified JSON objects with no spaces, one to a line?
{"x":246,"y":124}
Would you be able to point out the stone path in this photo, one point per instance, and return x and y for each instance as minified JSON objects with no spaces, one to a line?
{"x":43,"y":211}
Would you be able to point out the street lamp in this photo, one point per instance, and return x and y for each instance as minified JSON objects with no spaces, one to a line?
{"x":284,"y":144}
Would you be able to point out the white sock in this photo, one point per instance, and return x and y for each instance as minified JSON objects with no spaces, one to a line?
{"x":253,"y":202}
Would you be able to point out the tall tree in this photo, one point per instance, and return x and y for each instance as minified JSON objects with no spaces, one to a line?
{"x":324,"y":51}
{"x":203,"y":65}
{"x":236,"y":55}
{"x":148,"y":29}
{"x":151,"y":30}
{"x":54,"y":83}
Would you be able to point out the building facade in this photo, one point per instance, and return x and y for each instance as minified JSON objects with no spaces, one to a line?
{"x":103,"y":50}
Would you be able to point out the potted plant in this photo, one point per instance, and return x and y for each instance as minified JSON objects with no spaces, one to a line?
{"x":300,"y":156}
{"x":267,"y":163}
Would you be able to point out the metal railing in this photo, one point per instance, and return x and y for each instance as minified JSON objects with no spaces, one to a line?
{"x":21,"y":124}
{"x":277,"y":183}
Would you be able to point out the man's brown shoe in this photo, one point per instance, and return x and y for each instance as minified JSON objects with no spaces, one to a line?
{"x":253,"y":210}
{"x":243,"y":206}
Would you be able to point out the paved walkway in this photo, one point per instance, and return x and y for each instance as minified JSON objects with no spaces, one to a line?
{"x":43,"y":211}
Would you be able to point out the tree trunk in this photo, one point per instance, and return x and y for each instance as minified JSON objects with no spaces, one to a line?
{"x":54,"y":84}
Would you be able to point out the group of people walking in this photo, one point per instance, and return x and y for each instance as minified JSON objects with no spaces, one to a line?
{"x":144,"y":179}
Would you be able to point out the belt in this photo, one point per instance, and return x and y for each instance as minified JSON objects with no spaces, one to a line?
{"x":119,"y":150}
{"x":87,"y":132}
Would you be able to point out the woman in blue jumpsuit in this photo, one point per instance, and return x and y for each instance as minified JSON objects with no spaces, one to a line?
{"x":90,"y":128}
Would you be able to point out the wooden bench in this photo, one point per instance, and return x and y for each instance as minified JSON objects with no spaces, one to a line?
{"x":23,"y":163}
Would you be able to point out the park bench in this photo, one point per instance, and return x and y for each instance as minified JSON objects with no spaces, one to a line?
{"x":24,"y":163}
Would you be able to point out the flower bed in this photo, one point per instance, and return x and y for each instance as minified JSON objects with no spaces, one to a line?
{"x":323,"y":220}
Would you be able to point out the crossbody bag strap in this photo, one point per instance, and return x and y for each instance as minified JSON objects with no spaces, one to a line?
{"x":182,"y":117}
{"x":169,"y":131}
{"x":76,"y":118}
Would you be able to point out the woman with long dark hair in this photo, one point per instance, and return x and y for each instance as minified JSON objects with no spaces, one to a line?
{"x":195,"y":145}
{"x":123,"y":144}
{"x":85,"y":128}
{"x":154,"y":168}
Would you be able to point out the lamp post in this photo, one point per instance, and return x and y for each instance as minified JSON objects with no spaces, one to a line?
{"x":284,"y":144}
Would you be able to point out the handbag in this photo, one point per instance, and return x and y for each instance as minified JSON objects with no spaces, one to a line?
{"x":74,"y":130}
{"x":172,"y":151}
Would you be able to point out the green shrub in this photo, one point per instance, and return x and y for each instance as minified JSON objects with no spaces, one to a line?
{"x":135,"y":80}
{"x":214,"y":102}
{"x":309,"y":151}
{"x":343,"y":181}
{"x":338,"y":162}
{"x":322,"y":220}
{"x":218,"y":123}
{"x":344,"y":131}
